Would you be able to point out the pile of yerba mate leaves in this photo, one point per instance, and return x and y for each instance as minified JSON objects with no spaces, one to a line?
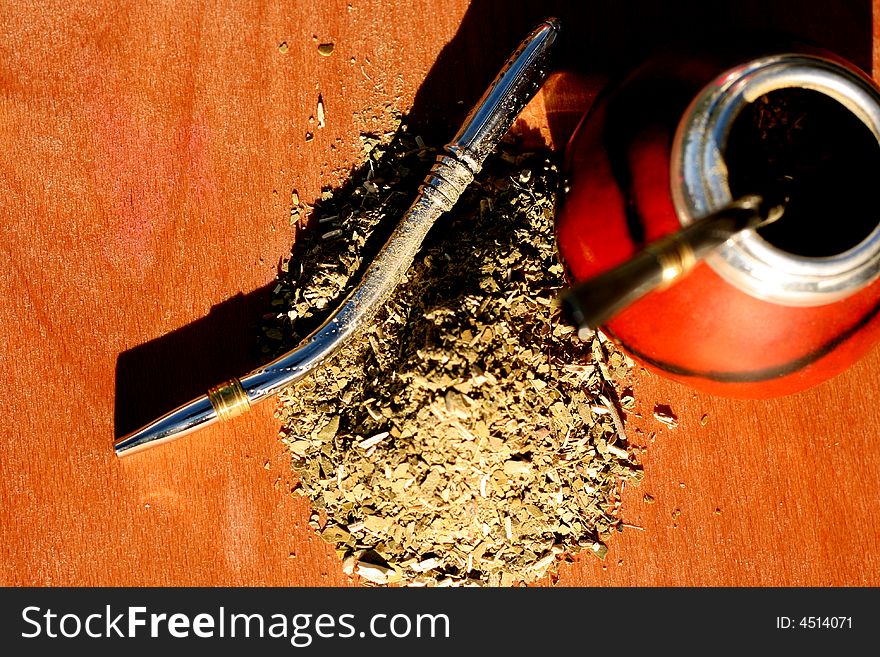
{"x":468,"y":437}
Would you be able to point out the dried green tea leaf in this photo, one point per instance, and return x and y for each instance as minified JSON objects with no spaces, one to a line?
{"x":665,"y":415}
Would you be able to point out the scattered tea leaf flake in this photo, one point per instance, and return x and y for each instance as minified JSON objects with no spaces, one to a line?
{"x":325,"y":49}
{"x":373,"y":440}
{"x":320,"y":111}
{"x":373,"y":573}
{"x":426,"y":565}
{"x":664,"y":414}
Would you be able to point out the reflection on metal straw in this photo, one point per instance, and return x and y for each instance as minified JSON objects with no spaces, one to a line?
{"x":493,"y":115}
{"x":592,"y":302}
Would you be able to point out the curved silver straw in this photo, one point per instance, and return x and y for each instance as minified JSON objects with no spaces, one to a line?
{"x":453,"y":171}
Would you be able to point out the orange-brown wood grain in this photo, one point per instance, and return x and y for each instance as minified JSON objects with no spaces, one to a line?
{"x":149,"y":150}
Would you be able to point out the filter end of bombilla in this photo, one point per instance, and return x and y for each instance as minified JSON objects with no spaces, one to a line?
{"x":758,"y":209}
{"x":515,"y":85}
{"x":772,"y":208}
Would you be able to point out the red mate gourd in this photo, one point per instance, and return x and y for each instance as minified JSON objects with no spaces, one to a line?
{"x":772,"y":311}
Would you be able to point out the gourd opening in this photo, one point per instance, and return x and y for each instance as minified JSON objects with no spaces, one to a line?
{"x":804,"y":145}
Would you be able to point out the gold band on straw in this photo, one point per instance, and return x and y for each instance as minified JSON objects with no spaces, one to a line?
{"x":229,"y":399}
{"x":676,"y":258}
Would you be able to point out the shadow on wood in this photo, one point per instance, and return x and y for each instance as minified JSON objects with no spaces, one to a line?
{"x":162,"y":374}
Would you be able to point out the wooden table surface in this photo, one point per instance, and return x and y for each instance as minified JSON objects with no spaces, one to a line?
{"x":149,"y":150}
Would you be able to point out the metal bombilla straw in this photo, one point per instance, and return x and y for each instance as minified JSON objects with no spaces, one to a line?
{"x":591,"y":303}
{"x":453,"y":171}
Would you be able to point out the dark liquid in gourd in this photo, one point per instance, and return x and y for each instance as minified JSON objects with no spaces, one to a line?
{"x":803,"y":145}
